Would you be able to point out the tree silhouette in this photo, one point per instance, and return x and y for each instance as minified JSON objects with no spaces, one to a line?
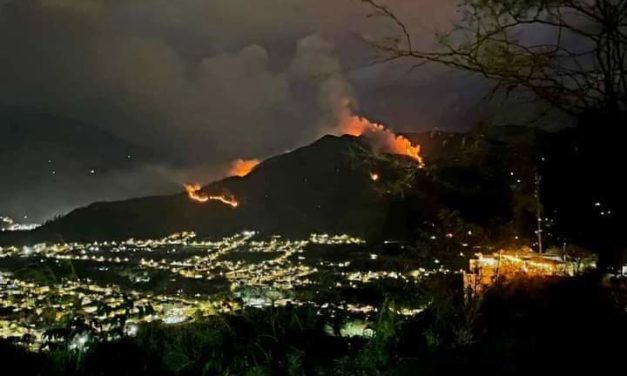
{"x":577,"y":66}
{"x":571,"y":56}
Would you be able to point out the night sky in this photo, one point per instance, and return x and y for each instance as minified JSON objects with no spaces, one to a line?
{"x":110,"y":99}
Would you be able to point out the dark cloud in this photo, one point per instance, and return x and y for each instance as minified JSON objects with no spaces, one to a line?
{"x":199,"y":83}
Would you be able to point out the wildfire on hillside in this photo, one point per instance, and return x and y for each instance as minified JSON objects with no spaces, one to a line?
{"x":374,"y":176}
{"x":381,"y":136}
{"x":194,"y":192}
{"x":242,"y":167}
{"x":228,"y":200}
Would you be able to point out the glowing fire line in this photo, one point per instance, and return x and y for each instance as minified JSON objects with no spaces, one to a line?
{"x":242,"y":167}
{"x":194,"y":193}
{"x":381,"y":136}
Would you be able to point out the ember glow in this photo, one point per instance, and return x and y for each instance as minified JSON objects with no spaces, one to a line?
{"x":194,"y":192}
{"x":242,"y":167}
{"x":383,"y":137}
{"x":228,"y":200}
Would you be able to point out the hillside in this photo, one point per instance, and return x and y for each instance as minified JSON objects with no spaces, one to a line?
{"x":326,"y":187}
{"x":315,"y":188}
{"x":44,"y":157}
{"x":322,"y":187}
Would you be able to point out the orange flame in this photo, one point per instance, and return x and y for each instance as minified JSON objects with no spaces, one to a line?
{"x":242,"y":167}
{"x":228,"y":200}
{"x":194,"y":192}
{"x":396,"y":144}
{"x":374,"y":176}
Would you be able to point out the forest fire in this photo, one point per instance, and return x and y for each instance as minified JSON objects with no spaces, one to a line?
{"x":194,"y":192}
{"x":242,"y":167}
{"x":374,"y":176}
{"x":228,"y":200}
{"x":382,"y":137}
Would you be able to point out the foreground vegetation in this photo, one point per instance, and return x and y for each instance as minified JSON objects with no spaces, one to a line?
{"x":520,"y":327}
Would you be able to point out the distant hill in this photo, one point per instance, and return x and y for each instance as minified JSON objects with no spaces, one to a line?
{"x":322,"y":187}
{"x":32,"y":134}
{"x":487,"y":176}
{"x":45,"y":157}
{"x":315,"y":188}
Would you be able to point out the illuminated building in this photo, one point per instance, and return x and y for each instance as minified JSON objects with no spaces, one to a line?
{"x":488,"y":269}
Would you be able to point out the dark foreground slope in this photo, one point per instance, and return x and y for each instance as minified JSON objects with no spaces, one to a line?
{"x":561,"y":327}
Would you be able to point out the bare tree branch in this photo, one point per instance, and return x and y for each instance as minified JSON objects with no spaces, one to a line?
{"x":580,"y":67}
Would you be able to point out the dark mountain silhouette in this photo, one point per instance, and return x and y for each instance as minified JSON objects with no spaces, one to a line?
{"x":31,"y":135}
{"x":323,"y":187}
{"x":44,"y":156}
{"x":487,"y":176}
{"x":315,"y":188}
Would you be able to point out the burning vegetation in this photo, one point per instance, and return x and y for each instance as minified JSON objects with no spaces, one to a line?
{"x":239,"y":167}
{"x":242,"y":167}
{"x":377,"y":135}
{"x":381,"y":137}
{"x":194,"y":191}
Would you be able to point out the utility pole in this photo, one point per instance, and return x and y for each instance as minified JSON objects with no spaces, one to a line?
{"x":538,"y":211}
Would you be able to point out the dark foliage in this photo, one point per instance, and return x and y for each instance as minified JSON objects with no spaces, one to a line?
{"x":526,"y":326}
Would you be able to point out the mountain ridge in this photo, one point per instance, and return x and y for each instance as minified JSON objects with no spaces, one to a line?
{"x":295,"y":192}
{"x":322,"y":187}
